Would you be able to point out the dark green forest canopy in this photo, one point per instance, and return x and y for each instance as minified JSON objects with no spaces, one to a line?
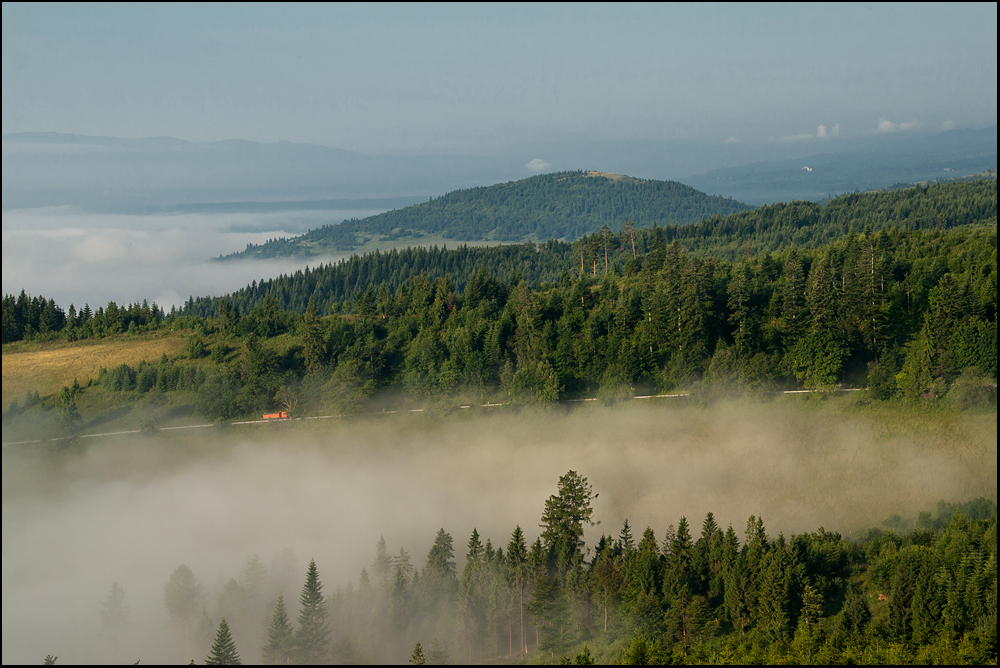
{"x":906,"y":307}
{"x":906,"y":313}
{"x":565,"y":205}
{"x":754,"y":233}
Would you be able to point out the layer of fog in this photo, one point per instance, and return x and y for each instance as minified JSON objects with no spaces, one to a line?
{"x":131,"y":511}
{"x":80,"y":258}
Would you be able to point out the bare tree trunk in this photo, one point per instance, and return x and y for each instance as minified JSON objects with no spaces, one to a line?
{"x":605,"y":236}
{"x":524,"y":641}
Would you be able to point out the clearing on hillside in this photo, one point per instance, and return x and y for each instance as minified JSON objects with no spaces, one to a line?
{"x":45,"y":368}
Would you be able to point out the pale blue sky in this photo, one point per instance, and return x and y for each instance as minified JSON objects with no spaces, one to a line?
{"x":379,"y":78}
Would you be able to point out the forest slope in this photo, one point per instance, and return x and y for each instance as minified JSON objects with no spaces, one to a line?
{"x":767,"y":229}
{"x":906,"y":313}
{"x":564,"y":205}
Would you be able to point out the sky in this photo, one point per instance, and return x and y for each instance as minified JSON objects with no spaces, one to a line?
{"x":485,"y":79}
{"x":658,"y":91}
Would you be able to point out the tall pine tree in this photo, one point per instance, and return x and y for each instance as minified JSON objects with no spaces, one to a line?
{"x":280,"y":637}
{"x":223,"y":649}
{"x":312,"y":641}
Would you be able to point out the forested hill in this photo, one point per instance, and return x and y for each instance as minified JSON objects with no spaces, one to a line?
{"x":764,"y":230}
{"x":564,"y":205}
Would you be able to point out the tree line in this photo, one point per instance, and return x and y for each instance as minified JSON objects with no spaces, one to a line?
{"x":38,"y":317}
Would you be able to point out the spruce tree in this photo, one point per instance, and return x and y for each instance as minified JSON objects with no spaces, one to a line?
{"x":809,"y":634}
{"x":680,"y":554}
{"x":471,"y":592}
{"x":439,"y":574}
{"x":517,"y":570}
{"x":254,"y":582}
{"x":114,"y":614}
{"x":857,"y":615}
{"x":382,"y":566}
{"x":223,"y":649}
{"x":687,"y":618}
{"x":820,"y":296}
{"x":418,"y":658}
{"x":552,"y":614}
{"x":280,"y":637}
{"x":793,"y":304}
{"x":314,"y":351}
{"x":775,"y":597}
{"x":438,"y":656}
{"x":312,"y":641}
{"x":182,"y":595}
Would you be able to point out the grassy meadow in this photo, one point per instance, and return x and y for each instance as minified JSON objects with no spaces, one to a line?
{"x":47,"y":367}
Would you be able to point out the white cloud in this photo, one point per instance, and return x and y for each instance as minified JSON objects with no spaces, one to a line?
{"x":948,"y":125}
{"x":885,"y":126}
{"x":912,"y":125}
{"x":732,"y":140}
{"x":538,"y":165}
{"x":822,"y":132}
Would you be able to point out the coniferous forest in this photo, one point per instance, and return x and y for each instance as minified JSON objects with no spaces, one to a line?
{"x":924,"y":591}
{"x":356,"y":333}
{"x":564,"y":205}
{"x":891,"y":293}
{"x":904,"y":312}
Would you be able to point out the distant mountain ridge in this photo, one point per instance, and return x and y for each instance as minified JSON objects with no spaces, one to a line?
{"x":884,"y":162}
{"x":156,"y":174}
{"x":100,"y":174}
{"x":563,"y":205}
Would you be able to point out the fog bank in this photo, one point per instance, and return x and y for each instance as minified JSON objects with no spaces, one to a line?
{"x":79,"y":258}
{"x":132,"y":510}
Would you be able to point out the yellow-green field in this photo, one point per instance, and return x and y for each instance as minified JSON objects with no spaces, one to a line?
{"x":46,"y":367}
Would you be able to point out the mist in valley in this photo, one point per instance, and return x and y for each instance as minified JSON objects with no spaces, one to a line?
{"x":131,"y":510}
{"x":77,"y":257}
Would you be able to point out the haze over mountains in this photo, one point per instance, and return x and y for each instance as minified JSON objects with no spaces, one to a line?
{"x":175,"y":204}
{"x":162,"y":174}
{"x":881,"y":162}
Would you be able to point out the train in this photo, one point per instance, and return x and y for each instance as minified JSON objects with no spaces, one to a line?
{"x":281,"y":415}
